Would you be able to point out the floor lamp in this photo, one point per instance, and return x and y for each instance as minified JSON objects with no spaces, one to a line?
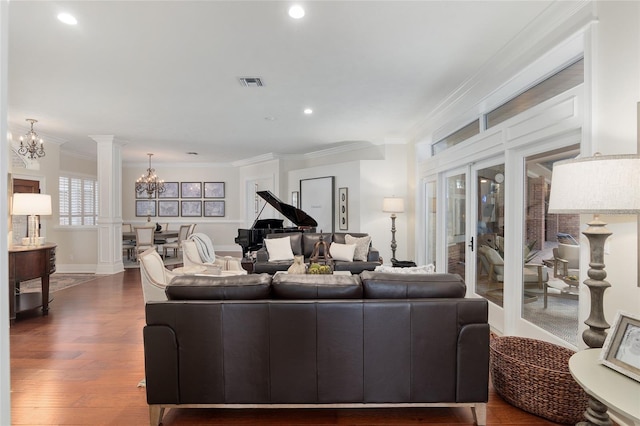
{"x":393,"y":205}
{"x":597,"y":185}
{"x":32,"y":205}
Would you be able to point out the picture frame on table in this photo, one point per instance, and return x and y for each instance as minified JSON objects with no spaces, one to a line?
{"x":621,"y":349}
{"x":168,"y":208}
{"x":343,"y":208}
{"x":191,"y":208}
{"x":214,"y":190}
{"x":191,"y":189}
{"x":214,"y":208}
{"x":171,"y":190}
{"x":145,"y":208}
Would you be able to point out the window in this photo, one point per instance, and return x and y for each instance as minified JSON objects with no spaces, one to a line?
{"x":78,"y":201}
{"x":456,"y":137}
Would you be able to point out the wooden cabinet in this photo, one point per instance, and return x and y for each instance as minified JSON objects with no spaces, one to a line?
{"x":27,"y":263}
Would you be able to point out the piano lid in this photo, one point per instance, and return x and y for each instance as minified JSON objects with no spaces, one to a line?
{"x":294,"y":214}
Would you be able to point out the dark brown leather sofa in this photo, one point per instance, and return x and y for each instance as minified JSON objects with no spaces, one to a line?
{"x":303,"y":243}
{"x":368,"y":340}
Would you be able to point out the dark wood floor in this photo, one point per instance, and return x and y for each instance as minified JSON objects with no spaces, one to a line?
{"x":81,"y":365}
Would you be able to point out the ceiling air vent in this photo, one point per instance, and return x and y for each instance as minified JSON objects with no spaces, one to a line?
{"x":251,"y":81}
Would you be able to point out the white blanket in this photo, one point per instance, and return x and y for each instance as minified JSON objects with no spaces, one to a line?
{"x":205,"y":247}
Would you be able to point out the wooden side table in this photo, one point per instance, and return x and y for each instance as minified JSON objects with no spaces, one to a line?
{"x":27,"y":263}
{"x":614,"y":390}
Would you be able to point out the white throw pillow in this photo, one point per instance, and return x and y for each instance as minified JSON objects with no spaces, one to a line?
{"x":362,"y":246}
{"x":279,"y":248}
{"x":342,"y":251}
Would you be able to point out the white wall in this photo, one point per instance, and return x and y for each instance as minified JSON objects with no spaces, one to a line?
{"x":616,"y":92}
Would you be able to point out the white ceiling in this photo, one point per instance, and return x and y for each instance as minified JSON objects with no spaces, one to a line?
{"x":162,"y":76}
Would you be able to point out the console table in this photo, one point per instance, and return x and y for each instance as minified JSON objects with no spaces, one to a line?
{"x":613,"y":389}
{"x":27,"y":263}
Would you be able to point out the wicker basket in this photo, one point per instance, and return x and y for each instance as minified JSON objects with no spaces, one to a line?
{"x":534,"y":375}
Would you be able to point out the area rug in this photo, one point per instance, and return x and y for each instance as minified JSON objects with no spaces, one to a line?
{"x":57,"y":282}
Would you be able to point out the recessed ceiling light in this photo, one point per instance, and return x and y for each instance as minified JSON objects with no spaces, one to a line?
{"x":308,"y":111}
{"x":270,"y":118}
{"x":296,"y":11}
{"x":67,"y":19}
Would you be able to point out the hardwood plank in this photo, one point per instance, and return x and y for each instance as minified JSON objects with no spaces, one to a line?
{"x":81,"y":365}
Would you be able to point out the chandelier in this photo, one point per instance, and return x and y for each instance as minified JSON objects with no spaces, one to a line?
{"x":33,"y":147}
{"x":150,"y":183}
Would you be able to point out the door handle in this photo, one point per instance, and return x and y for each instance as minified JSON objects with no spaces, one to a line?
{"x":471,"y":244}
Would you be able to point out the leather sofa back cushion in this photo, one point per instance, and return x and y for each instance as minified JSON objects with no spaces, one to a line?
{"x":339,"y":237}
{"x":237,"y":287}
{"x":385,"y":285}
{"x":309,"y":239}
{"x":311,"y":286}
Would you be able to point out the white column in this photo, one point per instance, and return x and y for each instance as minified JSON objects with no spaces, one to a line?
{"x":109,"y":205}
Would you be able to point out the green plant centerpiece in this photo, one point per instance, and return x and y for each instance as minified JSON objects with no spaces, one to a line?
{"x":316,"y":268}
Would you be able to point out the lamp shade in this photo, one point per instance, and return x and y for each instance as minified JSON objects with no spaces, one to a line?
{"x":599,"y":185}
{"x":393,"y":205}
{"x":31,"y":204}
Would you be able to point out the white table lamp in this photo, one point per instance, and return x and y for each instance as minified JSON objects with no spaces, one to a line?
{"x":32,"y":205}
{"x":598,"y":185}
{"x":393,"y":205}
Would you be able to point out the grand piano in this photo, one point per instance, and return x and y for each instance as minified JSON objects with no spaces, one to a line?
{"x":251,"y":239}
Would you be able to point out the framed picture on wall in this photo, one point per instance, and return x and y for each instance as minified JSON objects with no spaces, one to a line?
{"x":214,"y":190}
{"x":171,"y":190}
{"x":145,"y":208}
{"x":168,"y":208}
{"x":317,"y":199}
{"x":343,"y":208}
{"x":191,"y":190}
{"x":191,"y":208}
{"x":142,"y":193}
{"x":214,"y":208}
{"x":295,"y":199}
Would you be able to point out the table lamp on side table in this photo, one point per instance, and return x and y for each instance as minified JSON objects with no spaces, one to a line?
{"x":33,"y":205}
{"x":393,"y":205}
{"x":598,"y":185}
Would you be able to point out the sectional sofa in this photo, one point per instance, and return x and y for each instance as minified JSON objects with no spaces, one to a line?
{"x":309,"y":341}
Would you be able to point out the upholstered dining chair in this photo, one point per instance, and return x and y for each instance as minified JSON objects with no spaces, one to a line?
{"x":191,"y":260}
{"x":183,"y":233}
{"x":153,"y":276}
{"x":144,"y":239}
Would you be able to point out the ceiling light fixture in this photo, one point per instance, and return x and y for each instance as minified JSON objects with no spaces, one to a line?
{"x":296,"y":11}
{"x":150,"y":183}
{"x":308,"y":111}
{"x":67,"y":18}
{"x":33,"y":147}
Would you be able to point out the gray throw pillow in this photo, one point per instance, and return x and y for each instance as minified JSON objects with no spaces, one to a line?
{"x":362,"y":246}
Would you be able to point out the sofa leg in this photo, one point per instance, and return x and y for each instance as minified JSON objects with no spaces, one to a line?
{"x":155,"y":414}
{"x":480,"y":414}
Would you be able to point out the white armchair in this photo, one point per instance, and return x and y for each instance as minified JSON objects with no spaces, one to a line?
{"x":154,"y":276}
{"x":226,"y":265}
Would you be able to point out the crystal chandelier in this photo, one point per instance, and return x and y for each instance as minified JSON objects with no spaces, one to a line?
{"x":150,"y":183}
{"x":33,"y":147}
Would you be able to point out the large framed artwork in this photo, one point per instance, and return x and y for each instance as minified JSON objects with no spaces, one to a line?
{"x":191,"y":208}
{"x":214,"y":190}
{"x":191,"y":189}
{"x":213,"y":208}
{"x":168,"y":208}
{"x":317,"y":199}
{"x":171,"y":190}
{"x":145,"y":208}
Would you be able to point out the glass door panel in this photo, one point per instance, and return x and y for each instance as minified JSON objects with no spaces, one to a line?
{"x":430,"y":210}
{"x":550,"y":253}
{"x":489,"y":240}
{"x":456,"y":224}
